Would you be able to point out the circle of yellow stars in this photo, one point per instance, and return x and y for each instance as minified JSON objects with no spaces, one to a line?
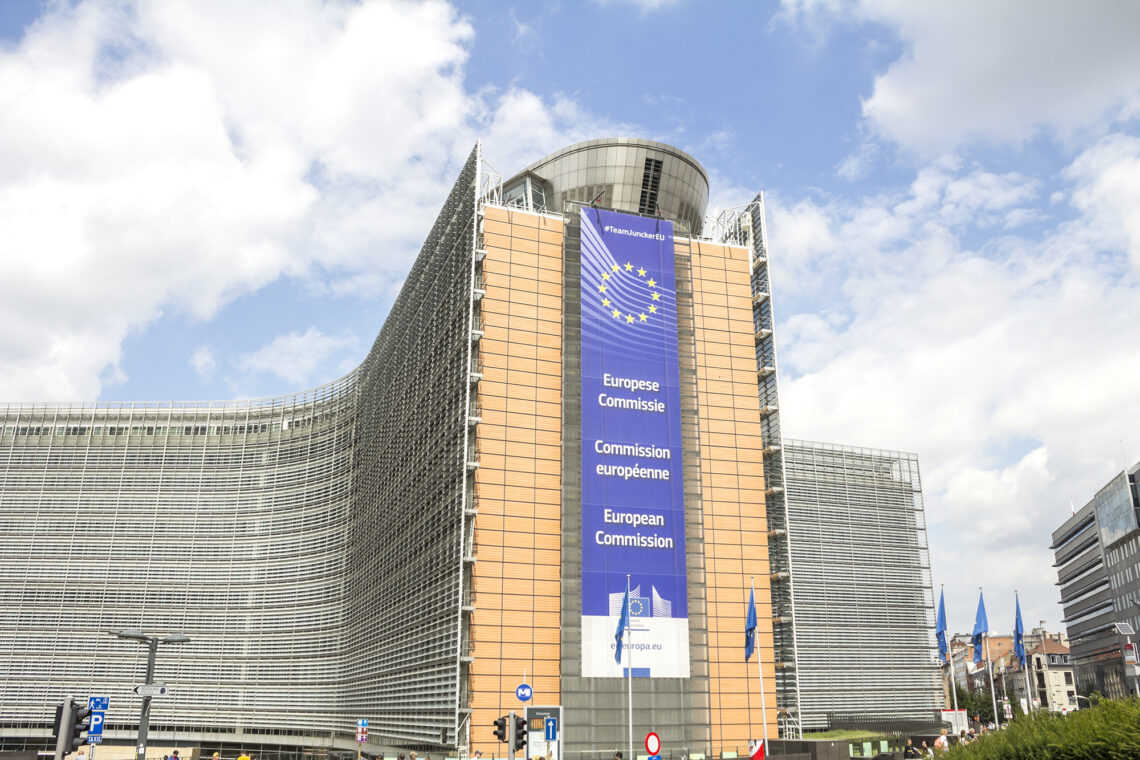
{"x":617,"y":313}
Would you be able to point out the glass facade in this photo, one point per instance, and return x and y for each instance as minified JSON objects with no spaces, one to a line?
{"x":403,"y":544}
{"x":1115,"y":510}
{"x":629,"y":174}
{"x":227,"y":522}
{"x":863,"y":592}
{"x":1097,"y":555}
{"x":310,"y":545}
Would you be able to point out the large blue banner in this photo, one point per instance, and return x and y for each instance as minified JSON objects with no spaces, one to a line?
{"x":633,"y":509}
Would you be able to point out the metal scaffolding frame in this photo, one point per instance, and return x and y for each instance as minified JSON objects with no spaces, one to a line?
{"x":746,"y":225}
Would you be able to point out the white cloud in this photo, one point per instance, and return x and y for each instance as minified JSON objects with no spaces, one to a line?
{"x":1108,"y":191}
{"x":994,"y":72}
{"x":155,"y":160}
{"x":204,"y":362}
{"x":304,"y":359}
{"x":858,"y":164}
{"x":1007,"y":366}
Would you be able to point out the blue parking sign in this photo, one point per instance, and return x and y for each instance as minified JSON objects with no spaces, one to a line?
{"x":96,"y":727}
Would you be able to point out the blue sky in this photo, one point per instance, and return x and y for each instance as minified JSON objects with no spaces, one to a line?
{"x":202,"y":200}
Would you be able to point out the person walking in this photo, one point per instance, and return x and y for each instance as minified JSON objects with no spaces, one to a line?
{"x":941,"y":744}
{"x":911,"y":751}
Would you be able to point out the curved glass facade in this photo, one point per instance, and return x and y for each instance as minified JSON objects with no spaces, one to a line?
{"x":310,"y":545}
{"x":226,"y":521}
{"x":402,"y":545}
{"x":623,"y":173}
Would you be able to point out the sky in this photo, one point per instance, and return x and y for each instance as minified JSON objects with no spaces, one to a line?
{"x":202,"y":199}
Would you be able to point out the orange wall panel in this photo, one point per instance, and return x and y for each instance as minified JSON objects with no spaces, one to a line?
{"x":516,"y":625}
{"x":732,"y":494}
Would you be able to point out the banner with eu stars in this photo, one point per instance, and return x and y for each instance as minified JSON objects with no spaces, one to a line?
{"x":633,"y":509}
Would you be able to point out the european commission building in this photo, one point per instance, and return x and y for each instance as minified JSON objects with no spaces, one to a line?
{"x":572,"y":410}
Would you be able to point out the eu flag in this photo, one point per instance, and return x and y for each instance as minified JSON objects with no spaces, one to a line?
{"x":940,"y":631}
{"x":981,"y":626}
{"x":1018,"y":634}
{"x":623,"y":623}
{"x":750,"y":627}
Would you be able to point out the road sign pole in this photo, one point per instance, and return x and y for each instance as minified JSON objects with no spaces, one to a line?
{"x":1135,"y":673}
{"x":64,"y":728}
{"x":144,"y":715}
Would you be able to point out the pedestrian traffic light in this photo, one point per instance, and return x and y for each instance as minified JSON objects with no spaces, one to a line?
{"x":518,"y":733}
{"x":501,"y":728}
{"x":57,"y":729}
{"x":78,"y":718}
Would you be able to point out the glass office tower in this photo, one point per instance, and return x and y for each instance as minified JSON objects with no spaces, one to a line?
{"x":1098,"y":571}
{"x":405,"y":545}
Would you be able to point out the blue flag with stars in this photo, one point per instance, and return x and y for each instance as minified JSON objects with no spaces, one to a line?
{"x":1018,"y":634}
{"x":981,"y":626}
{"x":940,"y":630}
{"x":750,"y":626}
{"x":623,"y":623}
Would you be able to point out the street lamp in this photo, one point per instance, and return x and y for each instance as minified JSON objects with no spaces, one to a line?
{"x":152,"y":642}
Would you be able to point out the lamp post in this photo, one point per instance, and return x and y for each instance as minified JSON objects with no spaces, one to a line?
{"x":152,"y":642}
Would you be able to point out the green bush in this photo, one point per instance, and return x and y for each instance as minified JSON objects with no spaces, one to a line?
{"x":1108,"y":731}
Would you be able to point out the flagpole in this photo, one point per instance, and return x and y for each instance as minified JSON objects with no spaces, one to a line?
{"x":1028,"y":689}
{"x":1025,"y":667}
{"x":989,"y":667}
{"x":950,"y":659}
{"x":760,"y":670}
{"x":629,"y":671}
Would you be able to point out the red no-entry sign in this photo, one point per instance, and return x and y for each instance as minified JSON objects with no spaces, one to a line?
{"x":652,"y":743}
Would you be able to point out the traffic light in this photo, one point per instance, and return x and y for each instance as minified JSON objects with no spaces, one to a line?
{"x":518,"y":733}
{"x":501,"y":728}
{"x":80,"y":719}
{"x":57,"y":729}
{"x":71,"y":720}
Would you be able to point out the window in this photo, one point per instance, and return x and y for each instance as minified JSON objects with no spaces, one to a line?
{"x":650,"y":184}
{"x":1068,"y":678}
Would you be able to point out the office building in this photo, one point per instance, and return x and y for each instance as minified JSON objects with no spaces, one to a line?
{"x":409,"y":543}
{"x":1098,"y":571}
{"x":863,"y":599}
